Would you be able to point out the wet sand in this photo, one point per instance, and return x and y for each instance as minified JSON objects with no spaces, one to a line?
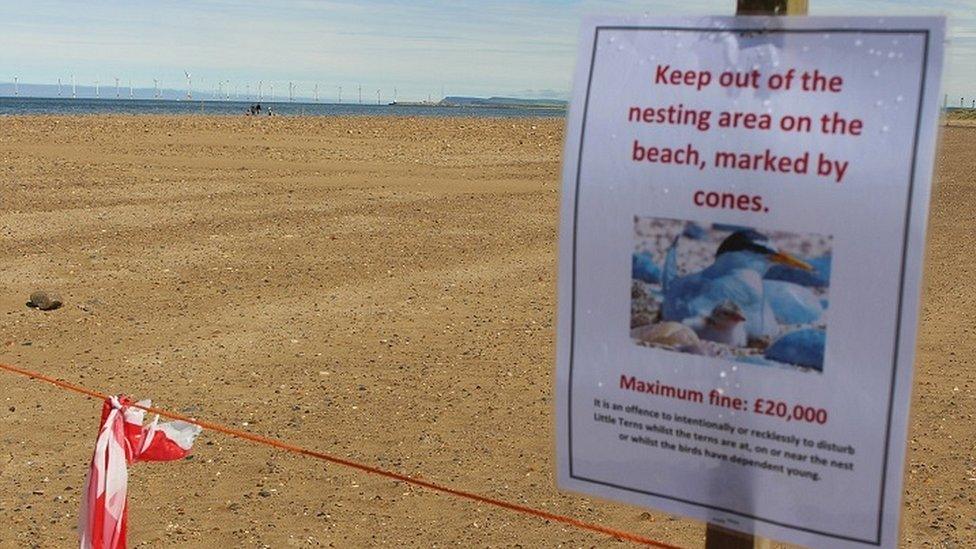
{"x":381,"y":289}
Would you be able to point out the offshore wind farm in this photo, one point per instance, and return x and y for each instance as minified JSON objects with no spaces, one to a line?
{"x":226,"y":98}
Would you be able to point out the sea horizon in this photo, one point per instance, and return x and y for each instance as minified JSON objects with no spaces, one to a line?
{"x":20,"y":106}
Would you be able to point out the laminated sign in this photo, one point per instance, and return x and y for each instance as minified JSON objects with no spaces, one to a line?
{"x":741,"y":246}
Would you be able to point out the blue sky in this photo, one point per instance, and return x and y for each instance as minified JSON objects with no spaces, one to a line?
{"x":524,"y":49}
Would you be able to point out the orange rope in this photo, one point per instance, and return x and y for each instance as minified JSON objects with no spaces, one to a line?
{"x":619,"y":534}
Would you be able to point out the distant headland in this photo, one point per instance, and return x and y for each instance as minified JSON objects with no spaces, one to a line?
{"x":491,"y":102}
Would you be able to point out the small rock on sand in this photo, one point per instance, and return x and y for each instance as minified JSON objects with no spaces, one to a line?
{"x":45,"y":301}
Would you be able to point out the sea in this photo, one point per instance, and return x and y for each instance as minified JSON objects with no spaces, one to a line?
{"x":10,"y":106}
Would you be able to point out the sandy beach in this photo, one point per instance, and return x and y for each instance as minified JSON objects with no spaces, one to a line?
{"x":381,"y":289}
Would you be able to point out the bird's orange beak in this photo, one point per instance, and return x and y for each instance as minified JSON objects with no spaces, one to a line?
{"x":790,"y":261}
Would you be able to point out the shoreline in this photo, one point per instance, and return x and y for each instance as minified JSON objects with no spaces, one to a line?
{"x":90,"y":106}
{"x":232,"y":116}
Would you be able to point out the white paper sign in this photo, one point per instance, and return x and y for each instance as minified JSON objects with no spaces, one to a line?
{"x":743,"y":222}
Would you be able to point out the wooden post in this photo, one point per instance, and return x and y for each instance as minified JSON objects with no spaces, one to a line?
{"x":717,"y":537}
{"x":771,"y":7}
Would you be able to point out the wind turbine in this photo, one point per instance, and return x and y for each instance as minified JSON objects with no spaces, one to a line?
{"x":59,"y":86}
{"x":360,"y":94}
{"x":155,"y":88}
{"x":377,"y":96}
{"x":130,"y":88}
{"x":340,"y":94}
{"x":74,"y":90}
{"x":316,"y":93}
{"x":291,"y":93}
{"x":260,"y":92}
{"x":97,"y":94}
{"x":116,"y":87}
{"x":188,"y":83}
{"x":16,"y":87}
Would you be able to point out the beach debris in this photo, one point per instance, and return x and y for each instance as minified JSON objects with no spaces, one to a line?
{"x":90,"y":305}
{"x":123,"y":439}
{"x":45,"y":301}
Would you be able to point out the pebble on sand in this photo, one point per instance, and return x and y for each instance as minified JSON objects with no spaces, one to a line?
{"x":45,"y":301}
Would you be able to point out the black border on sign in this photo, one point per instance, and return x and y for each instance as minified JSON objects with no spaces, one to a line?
{"x":901,"y":284}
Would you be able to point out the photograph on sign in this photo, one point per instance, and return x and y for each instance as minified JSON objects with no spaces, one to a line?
{"x":732,"y":292}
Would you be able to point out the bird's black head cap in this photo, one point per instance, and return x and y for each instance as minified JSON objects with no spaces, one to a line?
{"x":746,"y":240}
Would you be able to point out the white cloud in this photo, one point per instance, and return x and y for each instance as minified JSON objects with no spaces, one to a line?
{"x":480,"y":48}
